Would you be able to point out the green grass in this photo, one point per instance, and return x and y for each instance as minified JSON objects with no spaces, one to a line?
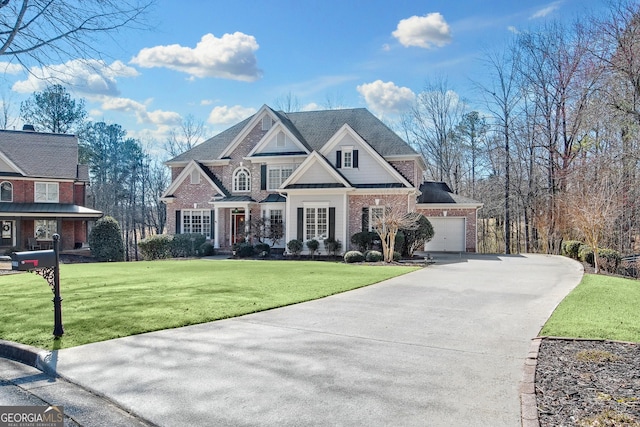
{"x":600,"y":307}
{"x":111,"y":300}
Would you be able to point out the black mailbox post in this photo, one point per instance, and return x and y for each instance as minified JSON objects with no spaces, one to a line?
{"x":47,"y":265}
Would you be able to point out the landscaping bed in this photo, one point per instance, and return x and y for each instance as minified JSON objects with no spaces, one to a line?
{"x":588,"y":383}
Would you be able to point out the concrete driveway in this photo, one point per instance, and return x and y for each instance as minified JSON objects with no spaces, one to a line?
{"x":443,"y":346}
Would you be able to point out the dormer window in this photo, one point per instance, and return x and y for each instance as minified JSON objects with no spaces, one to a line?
{"x":6,"y":192}
{"x":241,"y":180}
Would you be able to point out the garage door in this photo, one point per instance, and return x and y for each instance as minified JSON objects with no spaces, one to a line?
{"x":449,"y":235}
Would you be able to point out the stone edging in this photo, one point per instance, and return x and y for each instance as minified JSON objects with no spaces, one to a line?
{"x":528,"y":406}
{"x":29,"y":355}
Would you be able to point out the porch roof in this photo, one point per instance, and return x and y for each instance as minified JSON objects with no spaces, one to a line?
{"x":65,"y":210}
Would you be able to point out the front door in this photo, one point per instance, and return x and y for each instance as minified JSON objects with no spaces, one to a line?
{"x":237,"y":226}
{"x":7,"y":233}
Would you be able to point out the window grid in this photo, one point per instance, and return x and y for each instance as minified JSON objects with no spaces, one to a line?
{"x":197,"y":221}
{"x":277,"y":175}
{"x":45,"y":228}
{"x":316,"y":223}
{"x":46,"y":192}
{"x":347,"y":159}
{"x":242,"y":180}
{"x":6,"y":192}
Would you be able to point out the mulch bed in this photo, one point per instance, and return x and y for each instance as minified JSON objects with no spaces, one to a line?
{"x":588,"y":383}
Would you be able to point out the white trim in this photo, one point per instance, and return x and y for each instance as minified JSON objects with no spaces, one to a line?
{"x":449,"y":206}
{"x":12,"y":165}
{"x":46,"y":184}
{"x":313,"y":158}
{"x":237,"y":171}
{"x":182,"y":176}
{"x":273,"y":133}
{"x":348,"y":130}
{"x":257,"y":117}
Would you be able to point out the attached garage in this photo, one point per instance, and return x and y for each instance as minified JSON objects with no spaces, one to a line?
{"x":452,"y":216}
{"x":449,"y":235}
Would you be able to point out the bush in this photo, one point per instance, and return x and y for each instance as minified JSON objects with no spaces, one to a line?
{"x":570,"y":248}
{"x":364,"y":240}
{"x":187,"y":244}
{"x":609,"y":260}
{"x":244,"y":250}
{"x":105,"y":240}
{"x":373,"y":256}
{"x":207,"y":249}
{"x":313,"y":246}
{"x":396,"y":256}
{"x":332,"y":245}
{"x":295,"y":246}
{"x":263,"y":249}
{"x":585,"y":254}
{"x":157,"y":246}
{"x":353,"y":256}
{"x":416,"y":239}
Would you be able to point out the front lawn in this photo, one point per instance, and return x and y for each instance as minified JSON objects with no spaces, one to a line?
{"x":600,"y":307}
{"x":111,"y":300}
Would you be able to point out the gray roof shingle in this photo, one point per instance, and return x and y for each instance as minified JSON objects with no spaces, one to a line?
{"x":41,"y":155}
{"x":313,"y":129}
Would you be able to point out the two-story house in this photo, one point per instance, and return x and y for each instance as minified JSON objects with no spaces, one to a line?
{"x":320,"y":174}
{"x":42,"y":191}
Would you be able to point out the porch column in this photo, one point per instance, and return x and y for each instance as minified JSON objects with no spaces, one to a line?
{"x":246,"y":223}
{"x":216,"y":229}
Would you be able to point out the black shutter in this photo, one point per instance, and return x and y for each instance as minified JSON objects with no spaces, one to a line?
{"x":365,"y":219}
{"x":332,"y":223}
{"x":300,"y":224}
{"x":178,"y":224}
{"x":263,"y":177}
{"x":338,"y":159}
{"x":355,"y":158}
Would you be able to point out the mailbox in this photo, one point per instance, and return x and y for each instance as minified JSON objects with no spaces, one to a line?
{"x":25,"y":261}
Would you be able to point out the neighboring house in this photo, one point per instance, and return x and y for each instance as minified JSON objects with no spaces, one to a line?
{"x":42,"y":191}
{"x":320,"y":174}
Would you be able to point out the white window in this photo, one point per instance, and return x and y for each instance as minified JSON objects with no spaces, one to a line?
{"x":195,"y":177}
{"x":276,"y":221}
{"x":316,"y":223}
{"x":46,"y":192}
{"x":347,"y":159}
{"x":45,"y":228}
{"x":242,"y":180}
{"x":266,"y":123}
{"x":376,"y":217}
{"x":6,"y":192}
{"x":276,"y":175}
{"x":197,"y":221}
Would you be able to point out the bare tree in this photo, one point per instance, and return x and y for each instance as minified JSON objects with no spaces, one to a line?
{"x":6,"y":112}
{"x":43,"y":31}
{"x":289,"y":103}
{"x":392,"y":220}
{"x":183,"y":138}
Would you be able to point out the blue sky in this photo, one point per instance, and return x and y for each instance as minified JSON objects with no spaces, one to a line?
{"x":221,"y":61}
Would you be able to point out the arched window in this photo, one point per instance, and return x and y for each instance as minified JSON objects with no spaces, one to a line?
{"x":6,"y":192}
{"x":241,"y":180}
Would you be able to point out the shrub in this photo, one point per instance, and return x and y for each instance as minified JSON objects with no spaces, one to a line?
{"x":187,"y":244}
{"x":585,"y":254}
{"x":295,"y":246}
{"x":332,"y":245}
{"x":105,"y":240}
{"x":364,"y":240}
{"x":263,"y":249}
{"x":207,"y":249}
{"x":570,"y":248}
{"x":157,"y":246}
{"x":353,"y":256}
{"x":609,"y":259}
{"x":373,"y":256}
{"x":313,"y":246}
{"x":244,"y":250}
{"x":416,"y":239}
{"x":396,"y":256}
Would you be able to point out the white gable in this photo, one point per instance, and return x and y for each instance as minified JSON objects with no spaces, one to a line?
{"x":7,"y":165}
{"x":278,"y":140}
{"x":265,"y":117}
{"x":193,"y":174}
{"x":315,"y":170}
{"x":371,"y":168}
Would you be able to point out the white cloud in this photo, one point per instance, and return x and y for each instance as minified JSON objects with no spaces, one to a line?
{"x":157,"y":117}
{"x":9,"y":68}
{"x":552,"y":7}
{"x":231,"y":57}
{"x":206,"y":102}
{"x":89,"y":78}
{"x":312,"y":106}
{"x":228,"y":115}
{"x":423,"y":31}
{"x":386,"y":98}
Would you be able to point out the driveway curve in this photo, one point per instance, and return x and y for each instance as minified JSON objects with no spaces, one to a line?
{"x":443,"y":346}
